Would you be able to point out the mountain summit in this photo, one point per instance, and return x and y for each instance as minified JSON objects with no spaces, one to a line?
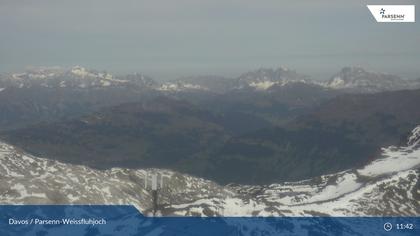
{"x":265,"y":78}
{"x":357,"y":79}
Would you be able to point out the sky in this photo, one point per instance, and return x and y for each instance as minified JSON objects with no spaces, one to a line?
{"x":168,"y":39}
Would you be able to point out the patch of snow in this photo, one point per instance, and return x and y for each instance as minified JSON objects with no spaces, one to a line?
{"x":337,"y":82}
{"x":18,"y":76}
{"x":169,"y":87}
{"x":345,"y":184}
{"x":193,"y":86}
{"x":105,"y":83}
{"x":414,"y":137}
{"x":37,"y":76}
{"x":179,"y":86}
{"x":108,"y":77}
{"x":262,"y":85}
{"x":83,"y":72}
{"x":394,"y":160}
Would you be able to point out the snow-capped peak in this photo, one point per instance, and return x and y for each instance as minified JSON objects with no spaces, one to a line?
{"x":361,"y":80}
{"x":265,"y":78}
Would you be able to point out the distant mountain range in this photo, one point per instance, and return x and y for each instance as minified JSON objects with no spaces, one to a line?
{"x":264,"y":126}
{"x":353,"y":79}
{"x":76,"y":77}
{"x":349,"y":79}
{"x":49,"y":94}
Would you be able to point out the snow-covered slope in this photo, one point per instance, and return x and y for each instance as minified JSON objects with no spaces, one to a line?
{"x":389,"y":185}
{"x":27,"y":179}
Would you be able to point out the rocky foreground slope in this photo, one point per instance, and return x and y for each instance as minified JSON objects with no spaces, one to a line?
{"x":388,"y":186}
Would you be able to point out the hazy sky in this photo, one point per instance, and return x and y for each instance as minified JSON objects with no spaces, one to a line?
{"x":171,"y":38}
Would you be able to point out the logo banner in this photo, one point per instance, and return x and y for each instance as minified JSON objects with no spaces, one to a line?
{"x":393,"y":13}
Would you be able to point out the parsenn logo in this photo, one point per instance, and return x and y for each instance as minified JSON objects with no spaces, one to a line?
{"x":382,"y":11}
{"x":393,"y":13}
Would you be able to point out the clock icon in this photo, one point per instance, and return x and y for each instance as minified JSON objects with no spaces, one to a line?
{"x":388,"y":226}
